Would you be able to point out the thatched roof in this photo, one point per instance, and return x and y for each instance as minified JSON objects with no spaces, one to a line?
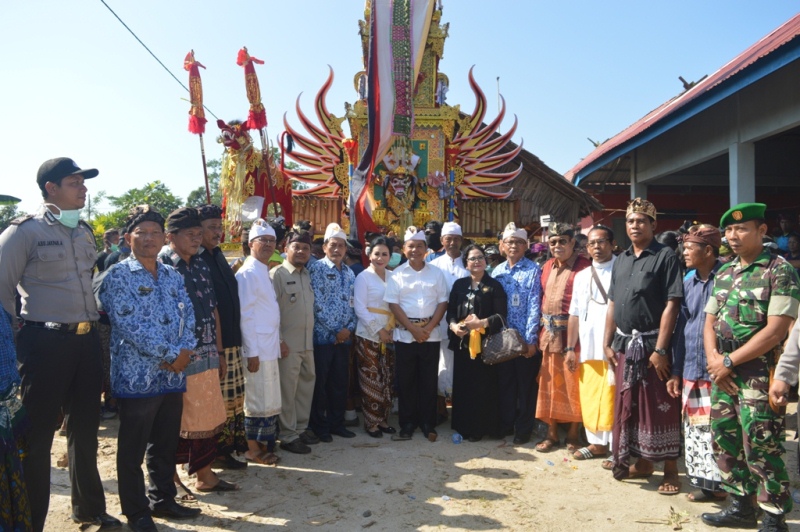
{"x":540,"y":190}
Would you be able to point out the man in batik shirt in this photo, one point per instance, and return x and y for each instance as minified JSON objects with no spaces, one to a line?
{"x":521,"y":279}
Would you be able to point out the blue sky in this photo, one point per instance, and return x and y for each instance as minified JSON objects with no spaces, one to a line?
{"x":75,"y":82}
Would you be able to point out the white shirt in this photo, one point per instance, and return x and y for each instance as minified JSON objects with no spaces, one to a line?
{"x":587,"y":305}
{"x":418,"y":293}
{"x":368,"y":293}
{"x":261,"y":316}
{"x":452,"y":269}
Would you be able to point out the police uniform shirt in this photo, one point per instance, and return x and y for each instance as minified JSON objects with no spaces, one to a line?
{"x":51,"y":266}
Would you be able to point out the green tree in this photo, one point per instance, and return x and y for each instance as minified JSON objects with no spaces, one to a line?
{"x":7,"y":214}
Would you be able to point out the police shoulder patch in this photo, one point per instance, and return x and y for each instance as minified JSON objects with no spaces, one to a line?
{"x":22,"y":219}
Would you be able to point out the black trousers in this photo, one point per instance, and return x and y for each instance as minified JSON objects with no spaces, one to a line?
{"x":417,"y":368}
{"x":519,"y":387}
{"x":149,"y":428}
{"x":331,"y":363}
{"x":62,"y":370}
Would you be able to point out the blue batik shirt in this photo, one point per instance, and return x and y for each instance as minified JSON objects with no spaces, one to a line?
{"x":333,"y":300}
{"x":151,"y":321}
{"x":523,"y":286}
{"x":9,"y":376}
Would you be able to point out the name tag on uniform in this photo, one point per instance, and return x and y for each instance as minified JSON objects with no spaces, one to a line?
{"x":331,"y":276}
{"x":515,"y":300}
{"x":352,"y":302}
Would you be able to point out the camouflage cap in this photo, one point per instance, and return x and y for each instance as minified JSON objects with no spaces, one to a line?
{"x":743,"y":212}
{"x":643,"y":206}
{"x":560,"y":228}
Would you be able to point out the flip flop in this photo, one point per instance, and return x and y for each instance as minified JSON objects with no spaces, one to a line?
{"x":701,"y":495}
{"x":220,"y":486}
{"x":573,"y":446}
{"x":608,"y":465}
{"x":265,"y":458}
{"x":585,"y":453}
{"x":547,"y":445}
{"x":184,"y":493}
{"x":665,"y":483}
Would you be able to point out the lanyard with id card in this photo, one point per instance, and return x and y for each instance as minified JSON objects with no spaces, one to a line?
{"x":515,"y":300}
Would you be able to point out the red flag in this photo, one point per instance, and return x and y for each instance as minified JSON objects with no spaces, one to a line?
{"x":197,"y":117}
{"x":257,"y":117}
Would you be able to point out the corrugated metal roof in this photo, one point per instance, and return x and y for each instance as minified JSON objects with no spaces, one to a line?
{"x":761,"y":59}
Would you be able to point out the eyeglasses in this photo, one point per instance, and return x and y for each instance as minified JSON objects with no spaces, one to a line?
{"x":558,"y":242}
{"x":599,"y":242}
{"x":514,"y":242}
{"x":476,"y":259}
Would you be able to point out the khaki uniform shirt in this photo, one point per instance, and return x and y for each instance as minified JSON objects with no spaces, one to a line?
{"x":51,"y":266}
{"x":296,"y":301}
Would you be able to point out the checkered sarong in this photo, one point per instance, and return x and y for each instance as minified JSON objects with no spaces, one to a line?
{"x":697,"y":401}
{"x":232,"y":438}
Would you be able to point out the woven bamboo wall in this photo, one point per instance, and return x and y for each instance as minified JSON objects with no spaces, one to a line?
{"x":321,"y":211}
{"x":477,"y":217}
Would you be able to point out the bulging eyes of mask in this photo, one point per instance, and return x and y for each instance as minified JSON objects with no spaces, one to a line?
{"x":395,"y":260}
{"x":67,"y":218}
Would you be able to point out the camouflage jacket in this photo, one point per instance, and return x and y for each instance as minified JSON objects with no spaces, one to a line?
{"x":743,"y":297}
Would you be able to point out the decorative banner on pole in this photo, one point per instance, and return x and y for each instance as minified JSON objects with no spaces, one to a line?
{"x":257,"y":118}
{"x":197,"y":116}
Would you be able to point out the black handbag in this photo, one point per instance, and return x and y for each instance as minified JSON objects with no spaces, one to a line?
{"x":508,"y":344}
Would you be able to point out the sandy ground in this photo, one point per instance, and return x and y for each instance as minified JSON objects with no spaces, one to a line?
{"x":364,"y":483}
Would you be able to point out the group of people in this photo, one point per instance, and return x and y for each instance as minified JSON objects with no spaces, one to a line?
{"x":208,"y":365}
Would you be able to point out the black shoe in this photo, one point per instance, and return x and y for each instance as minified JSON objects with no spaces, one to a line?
{"x":228,"y":462}
{"x":387,"y":430}
{"x":375,"y":433}
{"x":296,"y":447}
{"x":325,"y":438}
{"x":352,"y":422}
{"x":522,"y":439}
{"x":507,"y":432}
{"x":343,"y":433}
{"x":104,"y":521}
{"x":143,"y":524}
{"x":474,"y":438}
{"x":170,"y":508}
{"x":406,"y":432}
{"x":739,"y":514}
{"x":309,"y":438}
{"x":773,"y":523}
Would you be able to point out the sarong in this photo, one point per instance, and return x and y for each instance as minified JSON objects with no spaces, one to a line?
{"x":597,"y":396}
{"x":232,"y":439}
{"x":262,"y":403}
{"x":701,"y":466}
{"x":558,"y":400}
{"x":375,"y":376}
{"x":15,"y":509}
{"x":647,"y":421}
{"x":203,"y":408}
{"x":198,"y":453}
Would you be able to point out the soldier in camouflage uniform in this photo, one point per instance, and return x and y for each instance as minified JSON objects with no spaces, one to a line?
{"x":755,"y":299}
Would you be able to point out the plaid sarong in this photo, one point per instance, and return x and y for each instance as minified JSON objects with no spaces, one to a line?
{"x":232,"y":438}
{"x":697,"y":401}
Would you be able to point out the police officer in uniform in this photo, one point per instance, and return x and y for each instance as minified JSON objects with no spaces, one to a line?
{"x":49,"y":258}
{"x":754,"y":301}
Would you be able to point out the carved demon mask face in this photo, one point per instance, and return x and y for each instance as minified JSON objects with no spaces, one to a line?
{"x":401,"y":185}
{"x":234,"y":135}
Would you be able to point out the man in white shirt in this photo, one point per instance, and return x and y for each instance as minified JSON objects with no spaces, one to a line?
{"x":452,"y":266}
{"x":587,"y":321}
{"x":417,"y":296}
{"x":261,"y":346}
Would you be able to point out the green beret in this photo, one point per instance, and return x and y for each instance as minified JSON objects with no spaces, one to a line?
{"x":744,"y":212}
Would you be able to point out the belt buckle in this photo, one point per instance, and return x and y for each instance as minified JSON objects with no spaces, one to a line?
{"x":84,"y":327}
{"x":53,"y":325}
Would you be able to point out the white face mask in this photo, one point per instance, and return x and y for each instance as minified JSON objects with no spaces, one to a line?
{"x":67,"y":218}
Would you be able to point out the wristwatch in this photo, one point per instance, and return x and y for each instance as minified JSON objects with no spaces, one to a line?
{"x":726,"y":361}
{"x":660,"y":351}
{"x":567,"y":350}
